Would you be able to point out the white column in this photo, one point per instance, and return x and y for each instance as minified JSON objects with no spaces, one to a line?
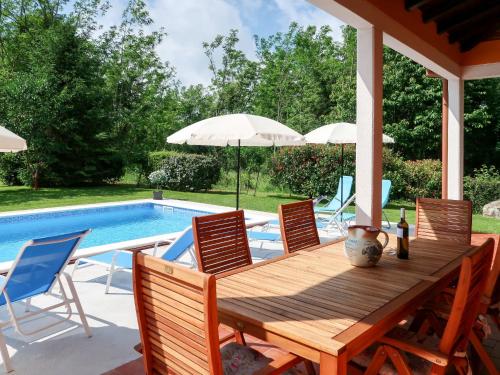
{"x":369,"y":121}
{"x":455,"y":138}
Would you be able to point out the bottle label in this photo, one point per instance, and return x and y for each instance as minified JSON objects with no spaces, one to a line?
{"x":400,"y":232}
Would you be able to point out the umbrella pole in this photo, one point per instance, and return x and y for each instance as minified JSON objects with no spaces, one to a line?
{"x":238,"y":178}
{"x":341,"y":180}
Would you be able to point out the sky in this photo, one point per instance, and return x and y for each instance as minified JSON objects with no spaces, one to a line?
{"x":189,"y":23}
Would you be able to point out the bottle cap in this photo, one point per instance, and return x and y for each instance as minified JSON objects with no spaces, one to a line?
{"x":402,"y":212}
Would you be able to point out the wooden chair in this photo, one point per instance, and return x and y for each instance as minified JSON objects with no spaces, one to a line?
{"x":444,"y":219}
{"x":454,"y":334}
{"x":177,"y":314}
{"x":298,"y":226}
{"x":221,"y":242}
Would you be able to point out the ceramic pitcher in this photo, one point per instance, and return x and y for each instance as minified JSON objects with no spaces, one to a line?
{"x":362,"y":247}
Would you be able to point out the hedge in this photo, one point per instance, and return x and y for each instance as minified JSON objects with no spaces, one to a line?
{"x":186,"y":172}
{"x":315,"y":170}
{"x":483,"y":187}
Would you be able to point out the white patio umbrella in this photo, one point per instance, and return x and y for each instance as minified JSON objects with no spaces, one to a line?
{"x":237,"y":130}
{"x":340,"y":133}
{"x":10,"y":142}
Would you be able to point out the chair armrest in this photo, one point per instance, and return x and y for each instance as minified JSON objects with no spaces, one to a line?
{"x":279,"y":365}
{"x":417,"y":349}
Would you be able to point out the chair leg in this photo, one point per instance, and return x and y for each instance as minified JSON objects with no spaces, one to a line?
{"x":398,"y":361}
{"x":78,"y":305}
{"x":5,"y":354}
{"x":239,"y":337}
{"x":377,"y":361}
{"x":485,"y":358}
{"x":386,"y":219}
{"x":309,"y":367}
{"x":438,"y":370}
{"x":111,"y":271}
{"x":27,"y":307}
{"x":75,"y":267}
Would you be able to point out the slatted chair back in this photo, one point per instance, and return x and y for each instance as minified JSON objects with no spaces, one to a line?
{"x":177,"y":314}
{"x":298,"y":226}
{"x":444,"y":219}
{"x":492,"y":291}
{"x":466,"y":304}
{"x":221,"y":242}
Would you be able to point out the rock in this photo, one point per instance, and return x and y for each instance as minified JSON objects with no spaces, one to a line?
{"x":492,"y":209}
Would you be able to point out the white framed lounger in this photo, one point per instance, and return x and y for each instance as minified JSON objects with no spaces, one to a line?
{"x":121,"y":260}
{"x":39,"y":265}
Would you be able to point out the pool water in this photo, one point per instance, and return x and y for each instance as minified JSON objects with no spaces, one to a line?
{"x":109,"y":225}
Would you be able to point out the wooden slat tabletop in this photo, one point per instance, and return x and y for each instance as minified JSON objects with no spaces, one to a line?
{"x":317,"y":302}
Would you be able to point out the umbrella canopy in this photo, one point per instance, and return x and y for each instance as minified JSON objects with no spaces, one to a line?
{"x":237,"y":130}
{"x":10,"y":142}
{"x":339,"y":133}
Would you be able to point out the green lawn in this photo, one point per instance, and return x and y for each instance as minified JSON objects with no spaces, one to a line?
{"x":22,"y":198}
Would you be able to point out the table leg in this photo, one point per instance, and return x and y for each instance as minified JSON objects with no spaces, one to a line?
{"x":331,"y":365}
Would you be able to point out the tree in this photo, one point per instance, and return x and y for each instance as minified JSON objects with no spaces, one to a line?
{"x":142,"y":87}
{"x":51,"y":93}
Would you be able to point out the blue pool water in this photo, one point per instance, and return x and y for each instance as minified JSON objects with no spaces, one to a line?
{"x":109,"y":225}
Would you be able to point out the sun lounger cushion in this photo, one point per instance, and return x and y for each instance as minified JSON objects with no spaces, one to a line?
{"x":241,"y":360}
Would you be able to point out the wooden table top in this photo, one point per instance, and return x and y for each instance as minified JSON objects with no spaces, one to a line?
{"x":318,"y":299}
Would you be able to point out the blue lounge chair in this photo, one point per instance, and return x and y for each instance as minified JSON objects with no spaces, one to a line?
{"x":342,"y":221}
{"x":121,"y":260}
{"x":336,"y":203}
{"x":38,"y":266}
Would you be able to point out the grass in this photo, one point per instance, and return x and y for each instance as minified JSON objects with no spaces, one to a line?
{"x":23,"y":198}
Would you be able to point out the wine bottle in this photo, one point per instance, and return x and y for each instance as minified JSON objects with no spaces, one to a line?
{"x":403,"y":234}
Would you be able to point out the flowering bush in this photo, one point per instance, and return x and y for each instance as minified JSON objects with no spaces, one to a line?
{"x":158,"y":179}
{"x":186,"y":172}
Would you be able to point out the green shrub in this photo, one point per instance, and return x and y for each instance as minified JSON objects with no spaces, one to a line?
{"x":311,"y":170}
{"x":189,"y":172}
{"x":315,"y":170}
{"x":10,"y":167}
{"x":422,"y":178}
{"x":156,"y":159}
{"x":483,"y":187}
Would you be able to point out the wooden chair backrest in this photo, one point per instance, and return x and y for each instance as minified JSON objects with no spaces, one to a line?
{"x":492,"y":291}
{"x":221,"y":242}
{"x":444,"y":219}
{"x":466,"y":304}
{"x":298,"y":226}
{"x":177,"y":314}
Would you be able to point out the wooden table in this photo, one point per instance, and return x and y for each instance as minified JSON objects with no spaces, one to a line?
{"x":315,"y":304}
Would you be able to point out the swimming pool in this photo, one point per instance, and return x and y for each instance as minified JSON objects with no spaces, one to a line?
{"x":109,"y":224}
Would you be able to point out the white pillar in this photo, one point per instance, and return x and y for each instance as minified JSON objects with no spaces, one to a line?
{"x":455,"y":138}
{"x":369,"y":120}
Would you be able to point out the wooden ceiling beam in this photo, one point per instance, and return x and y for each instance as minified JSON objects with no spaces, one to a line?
{"x":471,"y":42}
{"x":476,"y":17}
{"x":469,"y":32}
{"x":448,"y":9}
{"x":415,"y":4}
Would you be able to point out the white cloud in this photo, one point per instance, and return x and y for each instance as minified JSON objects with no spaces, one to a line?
{"x":306,"y":14}
{"x":189,"y":23}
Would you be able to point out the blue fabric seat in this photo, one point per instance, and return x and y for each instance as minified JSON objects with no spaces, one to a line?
{"x":122,"y":259}
{"x":342,"y":196}
{"x":38,"y":266}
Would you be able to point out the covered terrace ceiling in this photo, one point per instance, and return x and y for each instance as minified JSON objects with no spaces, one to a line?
{"x":466,"y":22}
